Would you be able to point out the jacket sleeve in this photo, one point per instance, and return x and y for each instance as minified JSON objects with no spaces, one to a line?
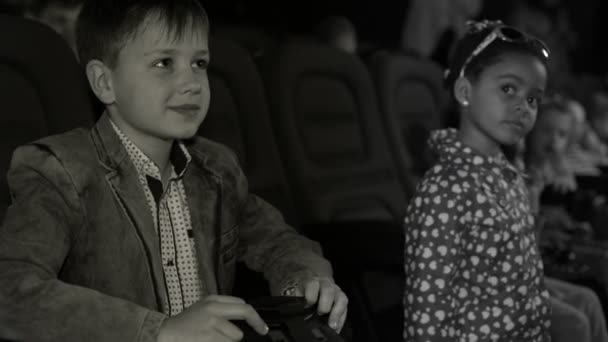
{"x":431,"y":259}
{"x":42,"y":223}
{"x":269,"y":245}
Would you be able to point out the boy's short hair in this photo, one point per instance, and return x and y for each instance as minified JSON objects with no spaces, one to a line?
{"x":104,"y":26}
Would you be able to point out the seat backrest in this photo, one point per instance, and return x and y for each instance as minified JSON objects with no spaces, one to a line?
{"x":413,"y":101}
{"x":43,"y":89}
{"x":238,"y":117}
{"x":257,"y":41}
{"x":325,"y":118}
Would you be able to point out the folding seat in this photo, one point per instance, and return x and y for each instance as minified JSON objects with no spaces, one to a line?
{"x":345,"y":185}
{"x":257,"y":41}
{"x":326,"y":120}
{"x":43,"y":89}
{"x":413,"y":101}
{"x":238,"y":118}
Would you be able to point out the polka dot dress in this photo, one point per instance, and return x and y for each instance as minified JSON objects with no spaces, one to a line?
{"x":171,"y":216}
{"x":473,"y":271}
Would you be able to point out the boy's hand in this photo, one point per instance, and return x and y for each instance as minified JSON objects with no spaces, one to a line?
{"x":208,"y":320}
{"x":330,"y":299}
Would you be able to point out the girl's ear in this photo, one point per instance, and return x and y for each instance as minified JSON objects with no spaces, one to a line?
{"x":100,"y":80}
{"x":462,"y":91}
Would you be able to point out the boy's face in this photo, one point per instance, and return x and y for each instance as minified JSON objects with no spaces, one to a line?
{"x":551,"y":134}
{"x":160,"y":83}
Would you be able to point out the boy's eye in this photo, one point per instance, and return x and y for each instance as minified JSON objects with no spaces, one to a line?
{"x":201,"y":64}
{"x":163,"y":63}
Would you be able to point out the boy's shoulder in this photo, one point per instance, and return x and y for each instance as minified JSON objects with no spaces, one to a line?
{"x":74,"y":144}
{"x":210,"y":150}
{"x":214,"y":155}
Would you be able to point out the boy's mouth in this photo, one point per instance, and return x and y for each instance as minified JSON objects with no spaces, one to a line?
{"x":186,"y":109}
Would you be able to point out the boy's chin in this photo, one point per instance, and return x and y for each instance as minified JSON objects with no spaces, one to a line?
{"x":182,"y":134}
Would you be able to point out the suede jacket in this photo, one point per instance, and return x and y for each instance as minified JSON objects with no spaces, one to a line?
{"x":79,"y":254}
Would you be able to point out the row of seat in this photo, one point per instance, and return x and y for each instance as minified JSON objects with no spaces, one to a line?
{"x":334,"y":142}
{"x":337,"y":143}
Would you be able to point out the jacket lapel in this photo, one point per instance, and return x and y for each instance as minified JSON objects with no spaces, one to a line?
{"x":203,"y":201}
{"x":123,"y":179}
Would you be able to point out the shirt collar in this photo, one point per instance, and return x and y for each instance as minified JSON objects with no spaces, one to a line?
{"x":448,"y":147}
{"x":179,"y":157}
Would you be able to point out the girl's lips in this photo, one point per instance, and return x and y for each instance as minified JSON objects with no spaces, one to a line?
{"x":517,"y":124}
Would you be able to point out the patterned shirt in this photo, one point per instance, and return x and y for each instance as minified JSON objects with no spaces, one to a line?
{"x":472,"y":265}
{"x":171,"y":216}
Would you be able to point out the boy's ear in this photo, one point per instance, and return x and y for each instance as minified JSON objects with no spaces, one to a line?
{"x":100,"y":80}
{"x":462,"y":91}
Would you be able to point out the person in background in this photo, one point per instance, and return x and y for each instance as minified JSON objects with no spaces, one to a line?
{"x":60,"y":15}
{"x":339,"y":32}
{"x":598,"y":115}
{"x":577,"y":313}
{"x":431,"y":27}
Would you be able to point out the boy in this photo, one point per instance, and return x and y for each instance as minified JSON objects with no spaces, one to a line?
{"x":129,"y":231}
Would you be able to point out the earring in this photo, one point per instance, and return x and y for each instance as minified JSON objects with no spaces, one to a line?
{"x":465,"y":103}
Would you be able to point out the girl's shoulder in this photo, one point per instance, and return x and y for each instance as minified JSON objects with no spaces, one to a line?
{"x":448,"y":180}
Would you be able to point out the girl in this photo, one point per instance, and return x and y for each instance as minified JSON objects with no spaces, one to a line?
{"x":473,"y":270}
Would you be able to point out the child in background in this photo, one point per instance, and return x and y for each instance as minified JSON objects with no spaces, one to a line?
{"x":545,"y":148}
{"x":131,"y":231}
{"x":577,"y":311}
{"x":598,"y":115}
{"x":585,"y":152}
{"x":472,"y":265}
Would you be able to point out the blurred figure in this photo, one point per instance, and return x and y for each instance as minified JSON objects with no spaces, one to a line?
{"x":61,"y":15}
{"x":546,"y":145}
{"x":585,"y":152}
{"x":577,"y":313}
{"x":598,"y":115}
{"x":432,"y":26}
{"x":339,"y":32}
{"x":550,"y":21}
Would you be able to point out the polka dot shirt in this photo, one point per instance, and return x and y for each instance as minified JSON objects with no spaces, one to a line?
{"x":473,"y":270}
{"x":171,"y":215}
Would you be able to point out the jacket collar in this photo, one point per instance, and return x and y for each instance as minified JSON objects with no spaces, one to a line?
{"x":202,"y":193}
{"x":113,"y":155}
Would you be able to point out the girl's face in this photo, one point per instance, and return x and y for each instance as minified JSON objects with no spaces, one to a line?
{"x":503,"y":102}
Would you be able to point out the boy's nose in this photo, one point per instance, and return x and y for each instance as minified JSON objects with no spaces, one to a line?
{"x":190,"y":83}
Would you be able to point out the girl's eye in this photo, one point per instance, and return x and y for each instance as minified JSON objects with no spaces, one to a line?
{"x":163,"y":63}
{"x":508,"y":89}
{"x":533,"y":101}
